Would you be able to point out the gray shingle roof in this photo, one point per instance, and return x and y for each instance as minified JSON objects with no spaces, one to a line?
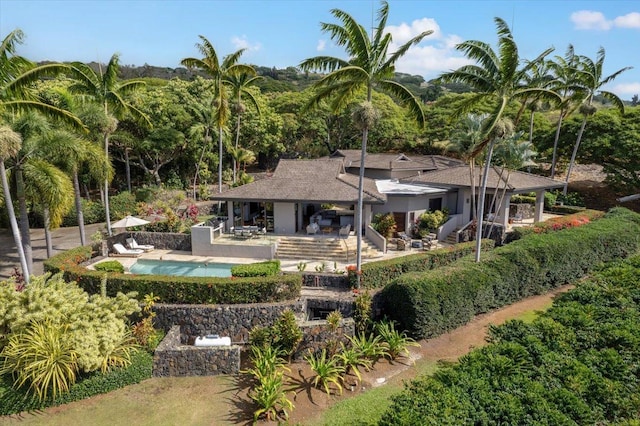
{"x":459,"y":177}
{"x":317,"y":181}
{"x":390,"y":161}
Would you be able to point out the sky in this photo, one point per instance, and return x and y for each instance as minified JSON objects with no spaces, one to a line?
{"x":282,"y":33}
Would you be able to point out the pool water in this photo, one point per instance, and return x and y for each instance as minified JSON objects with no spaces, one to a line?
{"x":184,"y":269}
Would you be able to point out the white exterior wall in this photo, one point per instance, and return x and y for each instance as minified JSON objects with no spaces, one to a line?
{"x":284,"y":216}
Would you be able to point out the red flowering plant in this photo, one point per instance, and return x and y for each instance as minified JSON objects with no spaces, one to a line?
{"x":352,"y":276}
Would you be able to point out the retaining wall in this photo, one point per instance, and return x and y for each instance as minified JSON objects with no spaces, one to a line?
{"x":174,"y":359}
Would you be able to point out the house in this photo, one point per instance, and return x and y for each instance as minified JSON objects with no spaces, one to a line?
{"x":300,"y":192}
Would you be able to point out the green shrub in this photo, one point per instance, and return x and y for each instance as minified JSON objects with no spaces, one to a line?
{"x":260,"y":269}
{"x":177,"y":289}
{"x":122,"y":204}
{"x":109,"y":266}
{"x":523,"y":199}
{"x":429,"y":303}
{"x":566,"y":209}
{"x":384,"y":224}
{"x":430,"y":221}
{"x":14,"y":401}
{"x":92,"y":212}
{"x":380,"y":273}
{"x":574,"y":364}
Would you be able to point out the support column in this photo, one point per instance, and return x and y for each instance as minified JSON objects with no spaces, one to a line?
{"x":230,"y":215}
{"x":504,"y":211}
{"x":537,"y":215}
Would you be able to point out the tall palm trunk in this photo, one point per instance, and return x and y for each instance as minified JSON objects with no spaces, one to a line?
{"x":574,"y":154}
{"x":472,"y":173}
{"x":220,"y":159}
{"x":14,"y":223}
{"x":555,"y":145}
{"x":47,"y":231}
{"x":363,"y":154}
{"x":107,"y":212}
{"x":237,"y":143}
{"x":79,"y":212}
{"x":127,"y":168}
{"x":483,"y":192}
{"x":205,"y":149}
{"x":24,"y":218}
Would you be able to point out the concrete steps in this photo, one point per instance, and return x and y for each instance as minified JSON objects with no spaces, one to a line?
{"x":451,"y":238}
{"x":330,"y":248}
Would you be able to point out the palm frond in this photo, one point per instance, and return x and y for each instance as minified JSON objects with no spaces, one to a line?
{"x":482,"y":54}
{"x":614,"y":99}
{"x":406,"y":98}
{"x":323,"y":64}
{"x":405,"y":47}
{"x":232,"y":59}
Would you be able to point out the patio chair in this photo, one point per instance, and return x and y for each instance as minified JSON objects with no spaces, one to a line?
{"x":133,"y":244}
{"x":312,"y":228}
{"x":122,"y":251}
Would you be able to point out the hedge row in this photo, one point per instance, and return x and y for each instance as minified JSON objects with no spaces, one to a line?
{"x":15,"y":401}
{"x":378,"y":274}
{"x":260,"y":269}
{"x":172,"y":289}
{"x":575,"y":364}
{"x":430,"y":303}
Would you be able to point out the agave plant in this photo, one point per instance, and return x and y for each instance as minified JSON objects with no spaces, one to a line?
{"x":396,"y":343}
{"x":271,"y":397}
{"x":328,"y":370}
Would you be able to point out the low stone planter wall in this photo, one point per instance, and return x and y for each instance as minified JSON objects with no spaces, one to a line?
{"x":174,"y":359}
{"x":310,"y":279}
{"x":160,"y":240}
{"x":234,"y":321}
{"x":316,"y":335}
{"x":318,"y":308}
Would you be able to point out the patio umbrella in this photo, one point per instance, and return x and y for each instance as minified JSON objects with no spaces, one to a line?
{"x":129,"y":221}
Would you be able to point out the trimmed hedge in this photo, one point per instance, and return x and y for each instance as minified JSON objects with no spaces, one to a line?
{"x":110,"y":266}
{"x":14,"y":401}
{"x":430,"y":303}
{"x":192,"y":290}
{"x":380,"y":273}
{"x":575,"y":364}
{"x":260,"y":269}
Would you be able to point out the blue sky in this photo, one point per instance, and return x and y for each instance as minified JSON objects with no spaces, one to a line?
{"x":282,"y":33}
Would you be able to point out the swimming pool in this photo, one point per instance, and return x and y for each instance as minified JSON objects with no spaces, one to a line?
{"x":178,"y":268}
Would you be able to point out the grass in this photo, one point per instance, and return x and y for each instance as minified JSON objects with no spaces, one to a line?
{"x":529,"y":316}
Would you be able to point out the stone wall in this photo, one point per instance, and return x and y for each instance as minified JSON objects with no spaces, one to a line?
{"x":173,"y":359}
{"x":234,"y":321}
{"x":316,"y":336}
{"x":160,"y":240}
{"x":310,"y":279}
{"x":317,"y":308}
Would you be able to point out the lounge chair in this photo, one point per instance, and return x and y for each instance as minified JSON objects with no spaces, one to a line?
{"x":122,"y":251}
{"x":133,"y":245}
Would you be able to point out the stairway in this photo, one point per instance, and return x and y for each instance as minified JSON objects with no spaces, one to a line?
{"x":451,"y":238}
{"x":319,"y":247}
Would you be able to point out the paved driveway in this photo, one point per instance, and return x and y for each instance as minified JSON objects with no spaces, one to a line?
{"x":62,"y":239}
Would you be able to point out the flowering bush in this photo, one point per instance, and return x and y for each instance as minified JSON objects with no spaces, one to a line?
{"x":564,"y":222}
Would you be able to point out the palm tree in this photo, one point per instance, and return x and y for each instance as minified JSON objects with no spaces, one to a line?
{"x":239,"y":84}
{"x":464,"y":139}
{"x":10,"y":143}
{"x":107,"y":91}
{"x":369,"y":66}
{"x":497,"y":81}
{"x":16,"y":76}
{"x":70,"y":152}
{"x":591,"y":79}
{"x":564,"y":70}
{"x":220,"y":73}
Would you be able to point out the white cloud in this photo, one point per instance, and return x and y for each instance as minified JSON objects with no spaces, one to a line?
{"x":626,"y":89}
{"x":630,"y":20}
{"x":321,"y":45}
{"x":242,"y":43}
{"x":434,"y":55}
{"x":590,"y":20}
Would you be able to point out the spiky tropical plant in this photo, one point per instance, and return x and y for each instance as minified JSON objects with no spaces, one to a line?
{"x":370,"y":347}
{"x":328,"y":370}
{"x":41,"y":358}
{"x":397,"y":343}
{"x":370,"y":66}
{"x":271,"y":398}
{"x":497,"y":80}
{"x":352,"y":359}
